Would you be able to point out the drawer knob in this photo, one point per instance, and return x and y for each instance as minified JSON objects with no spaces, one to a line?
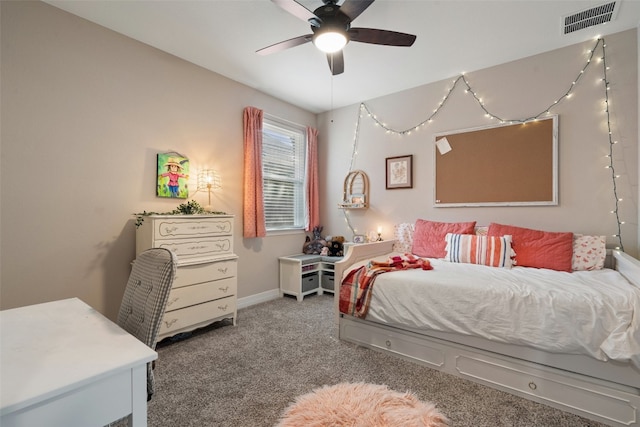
{"x":223,"y":270}
{"x":388,"y":344}
{"x":225,"y":289}
{"x":198,"y":228}
{"x":532,"y":385}
{"x":220,"y":307}
{"x":168,"y":323}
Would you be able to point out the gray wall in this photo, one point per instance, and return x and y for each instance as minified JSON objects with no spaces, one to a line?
{"x":514,"y":90}
{"x":84,"y":112}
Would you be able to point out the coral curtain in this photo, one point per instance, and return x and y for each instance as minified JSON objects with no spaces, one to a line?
{"x":253,"y":210}
{"x":313,"y":199}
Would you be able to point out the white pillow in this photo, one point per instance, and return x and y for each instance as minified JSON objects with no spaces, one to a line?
{"x":481,"y":230}
{"x":589,"y":252}
{"x":403,"y":235}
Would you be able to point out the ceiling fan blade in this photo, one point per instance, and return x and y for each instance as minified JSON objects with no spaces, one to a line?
{"x":353,"y":8}
{"x":336,"y":62}
{"x":296,"y":9}
{"x":296,"y":41}
{"x":385,"y":37}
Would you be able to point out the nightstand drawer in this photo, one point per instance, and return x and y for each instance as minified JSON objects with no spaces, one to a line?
{"x":193,"y":227}
{"x":200,"y":273}
{"x":195,"y":294}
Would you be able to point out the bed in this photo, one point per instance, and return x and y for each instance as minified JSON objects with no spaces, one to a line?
{"x":589,"y":363}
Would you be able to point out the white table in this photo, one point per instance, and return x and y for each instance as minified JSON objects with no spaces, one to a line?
{"x":64,"y":364}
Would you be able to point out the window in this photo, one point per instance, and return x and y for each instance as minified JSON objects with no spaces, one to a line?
{"x":283,"y":174}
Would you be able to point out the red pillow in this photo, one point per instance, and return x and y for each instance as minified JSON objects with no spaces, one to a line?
{"x":429,"y":236}
{"x":535,"y":248}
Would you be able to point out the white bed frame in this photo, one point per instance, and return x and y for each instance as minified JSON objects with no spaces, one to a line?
{"x":608,"y":392}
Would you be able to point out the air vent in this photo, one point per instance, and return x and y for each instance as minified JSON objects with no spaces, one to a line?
{"x":590,"y":17}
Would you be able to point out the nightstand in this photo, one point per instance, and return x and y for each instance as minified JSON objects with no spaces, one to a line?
{"x":301,"y":275}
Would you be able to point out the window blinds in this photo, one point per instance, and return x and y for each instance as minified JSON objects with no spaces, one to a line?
{"x":283,"y":164}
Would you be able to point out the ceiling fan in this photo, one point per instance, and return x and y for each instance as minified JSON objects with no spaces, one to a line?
{"x":331,"y":26}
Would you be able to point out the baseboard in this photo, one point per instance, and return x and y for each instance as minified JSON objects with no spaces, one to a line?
{"x":258,"y":298}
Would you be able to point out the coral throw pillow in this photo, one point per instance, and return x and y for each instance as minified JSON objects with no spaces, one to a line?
{"x":429,"y":236}
{"x":536,"y":248}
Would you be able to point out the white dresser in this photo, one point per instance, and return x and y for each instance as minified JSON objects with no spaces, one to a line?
{"x":205,"y":287}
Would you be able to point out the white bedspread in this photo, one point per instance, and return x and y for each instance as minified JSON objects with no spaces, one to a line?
{"x":584,"y":312}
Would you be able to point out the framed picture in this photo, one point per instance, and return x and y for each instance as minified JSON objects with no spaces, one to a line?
{"x":399,"y":172}
{"x":359,"y":238}
{"x":358,"y":199}
{"x":173,"y":176}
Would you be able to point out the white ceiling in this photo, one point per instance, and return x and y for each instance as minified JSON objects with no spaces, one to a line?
{"x":453,"y":36}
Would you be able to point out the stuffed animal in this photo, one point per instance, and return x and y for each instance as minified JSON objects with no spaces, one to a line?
{"x":336,"y":246}
{"x":306,"y":247}
{"x":314,"y":247}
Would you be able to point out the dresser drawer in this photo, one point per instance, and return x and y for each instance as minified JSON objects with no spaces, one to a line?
{"x":198,"y":249}
{"x":200,"y":273}
{"x":197,"y":315}
{"x":195,"y":294}
{"x":192,"y":227}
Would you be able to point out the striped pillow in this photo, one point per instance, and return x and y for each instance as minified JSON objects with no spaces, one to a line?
{"x":494,"y":251}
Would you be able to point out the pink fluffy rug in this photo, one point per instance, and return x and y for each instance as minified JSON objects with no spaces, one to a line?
{"x":360,"y":405}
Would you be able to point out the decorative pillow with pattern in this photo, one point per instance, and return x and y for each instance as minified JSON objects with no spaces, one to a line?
{"x":589,"y":252}
{"x":481,"y":230}
{"x":494,"y":251}
{"x":403,"y":235}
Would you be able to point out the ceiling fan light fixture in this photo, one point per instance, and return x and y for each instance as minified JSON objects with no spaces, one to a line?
{"x":330,"y":41}
{"x":331,"y":27}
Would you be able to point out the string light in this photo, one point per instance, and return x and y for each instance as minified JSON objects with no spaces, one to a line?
{"x":611,"y":144}
{"x":461,"y":80}
{"x":354,"y":153}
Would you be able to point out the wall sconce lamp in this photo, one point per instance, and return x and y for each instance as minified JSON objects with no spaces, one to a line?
{"x":208,"y":179}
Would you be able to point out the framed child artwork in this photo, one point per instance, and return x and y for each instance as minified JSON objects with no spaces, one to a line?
{"x":359,"y":238}
{"x":173,"y":176}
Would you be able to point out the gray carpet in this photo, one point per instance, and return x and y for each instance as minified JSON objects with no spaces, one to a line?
{"x":245,"y":376}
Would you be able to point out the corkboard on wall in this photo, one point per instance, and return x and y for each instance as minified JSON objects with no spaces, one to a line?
{"x":515,"y":164}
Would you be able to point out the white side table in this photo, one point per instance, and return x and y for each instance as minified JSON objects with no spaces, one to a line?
{"x":301,"y":275}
